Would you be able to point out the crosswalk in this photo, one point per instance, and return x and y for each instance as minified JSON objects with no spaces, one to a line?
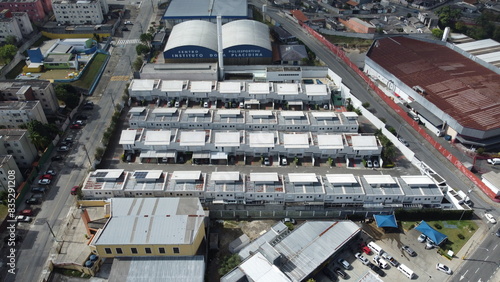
{"x":120,"y":78}
{"x":127,"y":41}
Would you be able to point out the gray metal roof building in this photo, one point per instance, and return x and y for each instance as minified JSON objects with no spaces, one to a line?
{"x":158,"y":269}
{"x":185,"y":10}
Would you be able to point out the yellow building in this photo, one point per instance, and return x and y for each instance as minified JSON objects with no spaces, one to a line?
{"x":151,"y":227}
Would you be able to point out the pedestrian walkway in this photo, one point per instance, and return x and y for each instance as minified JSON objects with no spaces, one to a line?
{"x":126,"y":41}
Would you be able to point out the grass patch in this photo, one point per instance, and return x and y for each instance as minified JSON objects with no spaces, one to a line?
{"x":3,"y":211}
{"x":12,"y":74}
{"x":72,"y":273}
{"x":350,"y":41}
{"x":465,"y":229}
{"x":91,"y":72}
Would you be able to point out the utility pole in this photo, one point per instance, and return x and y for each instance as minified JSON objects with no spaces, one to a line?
{"x":51,"y":231}
{"x":87,"y":153}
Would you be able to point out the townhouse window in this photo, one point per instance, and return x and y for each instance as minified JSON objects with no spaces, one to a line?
{"x":119,"y":251}
{"x":176,"y":250}
{"x":107,"y":250}
{"x":161,"y":250}
{"x":148,"y":250}
{"x":133,"y":250}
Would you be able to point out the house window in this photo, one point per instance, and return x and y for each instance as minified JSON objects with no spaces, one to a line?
{"x":133,"y":250}
{"x":119,"y":251}
{"x":148,"y":250}
{"x":108,"y":250}
{"x":176,"y":250}
{"x":161,"y":250}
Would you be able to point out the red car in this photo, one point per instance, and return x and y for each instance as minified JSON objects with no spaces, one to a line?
{"x":75,"y":126}
{"x":26,"y":212}
{"x":74,"y":190}
{"x":47,"y":176}
{"x":365,"y":249}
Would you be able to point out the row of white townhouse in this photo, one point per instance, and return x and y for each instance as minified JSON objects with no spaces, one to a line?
{"x":232,"y":187}
{"x":165,"y":144}
{"x":238,"y":119}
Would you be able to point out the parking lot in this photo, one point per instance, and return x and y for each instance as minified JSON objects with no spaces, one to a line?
{"x":423,"y":264}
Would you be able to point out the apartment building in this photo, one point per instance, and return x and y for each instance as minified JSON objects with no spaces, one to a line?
{"x":79,"y":12}
{"x":15,"y":24}
{"x":37,"y":10}
{"x":15,"y":113}
{"x":30,"y":90}
{"x":10,"y":175}
{"x":16,"y":142}
{"x":268,"y":188}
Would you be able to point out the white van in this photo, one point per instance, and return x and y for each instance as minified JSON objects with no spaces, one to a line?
{"x":406,"y":271}
{"x":375,"y":248}
{"x":382,"y":263}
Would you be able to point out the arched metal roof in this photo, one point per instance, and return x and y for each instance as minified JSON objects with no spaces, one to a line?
{"x":193,"y":33}
{"x":245,"y":32}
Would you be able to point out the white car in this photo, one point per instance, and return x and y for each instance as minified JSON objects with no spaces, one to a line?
{"x":23,"y":218}
{"x":443,"y":268}
{"x":493,"y":161}
{"x":344,"y":263}
{"x":44,"y":181}
{"x":375,"y":163}
{"x":51,"y":172}
{"x":422,"y":238}
{"x":490,"y":218}
{"x":369,"y":164}
{"x":364,"y":260}
{"x":128,"y":22}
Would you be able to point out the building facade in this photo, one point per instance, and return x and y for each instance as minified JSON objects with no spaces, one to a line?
{"x":30,"y":90}
{"x":37,"y":10}
{"x":79,"y":12}
{"x":16,"y":113}
{"x":16,"y":142}
{"x":10,"y":175}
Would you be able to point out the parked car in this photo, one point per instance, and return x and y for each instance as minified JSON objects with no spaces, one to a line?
{"x":56,"y":158}
{"x":75,"y":126}
{"x":38,"y":189}
{"x":88,"y":105}
{"x":422,"y":238}
{"x":266,"y":161}
{"x":390,"y":259}
{"x":409,"y":250}
{"x":493,"y":161}
{"x":284,"y":161}
{"x":362,"y":258}
{"x":26,"y":212}
{"x":287,"y":219}
{"x":63,"y":149}
{"x":44,"y":181}
{"x":242,"y":105}
{"x":369,"y":164}
{"x":32,"y":201}
{"x":128,"y":22}
{"x":23,"y":218}
{"x":51,"y":172}
{"x":125,"y":29}
{"x":329,"y":273}
{"x":377,"y":270}
{"x":382,"y":263}
{"x":47,"y":176}
{"x":177,"y":104}
{"x":402,"y":140}
{"x":490,"y":218}
{"x":375,"y":163}
{"x":344,"y":263}
{"x":443,"y":268}
{"x":341,"y":273}
{"x":79,"y":122}
{"x":498,"y":232}
{"x":205,"y":104}
{"x":365,"y":249}
{"x":74,"y":190}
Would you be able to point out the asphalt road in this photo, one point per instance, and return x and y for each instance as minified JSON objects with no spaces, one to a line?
{"x":34,"y":251}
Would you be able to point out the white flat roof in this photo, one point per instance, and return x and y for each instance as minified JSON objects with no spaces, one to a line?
{"x":227,"y":139}
{"x":261,"y":139}
{"x":296,"y":141}
{"x":107,"y":173}
{"x":171,"y":85}
{"x":157,"y":137}
{"x":137,"y":110}
{"x":350,"y":114}
{"x":169,"y":111}
{"x":334,"y":141}
{"x":142,"y":84}
{"x":379,"y":179}
{"x":292,"y":113}
{"x":287,"y":89}
{"x":230,"y":87}
{"x":225,"y":176}
{"x":264,"y":177}
{"x":479,"y":44}
{"x":258,"y":88}
{"x":490,"y":57}
{"x":196,"y":111}
{"x":324,"y":115}
{"x":341,"y":178}
{"x":128,"y":137}
{"x":259,"y":269}
{"x":201,"y":86}
{"x":147,"y":174}
{"x":316,"y":90}
{"x":302,"y":177}
{"x":417,"y":180}
{"x":192,"y":138}
{"x":260,"y":113}
{"x":364,"y":142}
{"x":229,"y":112}
{"x":186,"y":175}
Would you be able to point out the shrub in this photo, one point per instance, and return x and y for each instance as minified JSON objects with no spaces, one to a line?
{"x":471,"y":228}
{"x":438,"y":226}
{"x":365,"y":105}
{"x":412,"y":226}
{"x":460,"y":236}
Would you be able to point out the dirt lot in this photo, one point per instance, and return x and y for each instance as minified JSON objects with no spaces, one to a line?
{"x":228,"y":231}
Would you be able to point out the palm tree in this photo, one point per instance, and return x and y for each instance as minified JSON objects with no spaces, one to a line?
{"x":37,"y":140}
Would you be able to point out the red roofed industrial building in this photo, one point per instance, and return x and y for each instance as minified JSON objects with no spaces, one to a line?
{"x":459,"y":96}
{"x":299,"y":16}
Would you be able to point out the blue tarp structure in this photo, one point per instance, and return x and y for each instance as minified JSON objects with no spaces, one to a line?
{"x":436,"y":236}
{"x":386,"y":220}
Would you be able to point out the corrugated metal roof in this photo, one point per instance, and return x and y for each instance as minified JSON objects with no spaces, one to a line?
{"x":460,"y":87}
{"x":186,"y":9}
{"x":259,"y":269}
{"x":277,"y":229}
{"x":158,"y":269}
{"x":245,"y":32}
{"x":193,"y":33}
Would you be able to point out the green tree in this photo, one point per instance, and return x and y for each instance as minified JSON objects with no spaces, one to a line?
{"x":389,"y":152}
{"x":460,"y":27}
{"x":146,"y":38}
{"x":438,"y":33}
{"x":138,"y":64}
{"x":448,"y":15}
{"x":68,"y":94}
{"x":7,"y":52}
{"x":142,"y":49}
{"x":228,"y":263}
{"x":11,"y":39}
{"x":41,"y":134}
